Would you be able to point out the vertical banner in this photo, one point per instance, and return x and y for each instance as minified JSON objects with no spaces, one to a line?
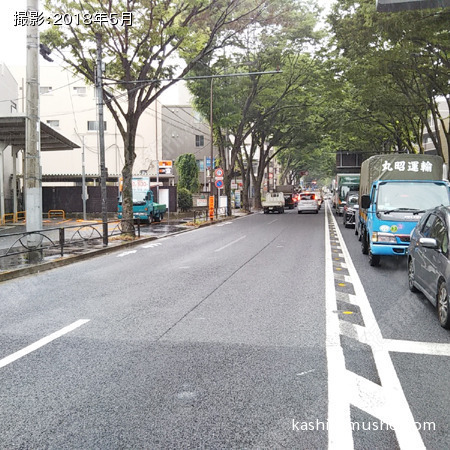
{"x":211,"y":207}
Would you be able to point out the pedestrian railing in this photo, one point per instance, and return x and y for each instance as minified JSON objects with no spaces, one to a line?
{"x":61,"y":241}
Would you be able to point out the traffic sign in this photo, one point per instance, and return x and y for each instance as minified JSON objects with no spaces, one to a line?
{"x":218,"y":173}
{"x":219,"y":184}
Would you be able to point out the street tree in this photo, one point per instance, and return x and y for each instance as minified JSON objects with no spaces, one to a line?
{"x":246,"y":110}
{"x":142,"y":53}
{"x":398,"y":68}
{"x":187,"y":170}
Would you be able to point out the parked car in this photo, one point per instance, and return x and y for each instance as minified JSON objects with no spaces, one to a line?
{"x":350,"y":209}
{"x":308,"y":202}
{"x":428,"y":260}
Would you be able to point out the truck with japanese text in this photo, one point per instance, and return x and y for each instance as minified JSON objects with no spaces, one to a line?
{"x":144,"y":206}
{"x":395,"y":190}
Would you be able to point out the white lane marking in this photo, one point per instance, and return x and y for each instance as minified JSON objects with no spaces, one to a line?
{"x":273,"y":221}
{"x":231,"y":243}
{"x":387,"y":401}
{"x":151,"y":245}
{"x":339,"y":430}
{"x":44,"y":341}
{"x":304,"y":373}
{"x":423,"y":348}
{"x":129,"y":252}
{"x":224,"y":223}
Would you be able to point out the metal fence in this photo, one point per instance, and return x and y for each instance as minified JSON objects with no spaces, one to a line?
{"x":61,"y":240}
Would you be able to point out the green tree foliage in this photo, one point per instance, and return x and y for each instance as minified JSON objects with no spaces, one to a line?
{"x":187,"y":169}
{"x":184,"y":199}
{"x":249,"y":111}
{"x":394,"y":68}
{"x":140,"y":57}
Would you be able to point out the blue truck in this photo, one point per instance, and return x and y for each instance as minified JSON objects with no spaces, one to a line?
{"x":395,"y":190}
{"x":144,"y":206}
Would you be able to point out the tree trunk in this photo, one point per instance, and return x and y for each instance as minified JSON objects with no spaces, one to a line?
{"x":127,"y":174}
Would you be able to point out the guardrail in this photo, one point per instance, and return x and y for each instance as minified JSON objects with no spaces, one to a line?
{"x":55,"y":213}
{"x":60,"y":240}
{"x":13,"y":217}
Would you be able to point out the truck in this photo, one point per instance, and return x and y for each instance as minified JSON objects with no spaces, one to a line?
{"x":144,"y":206}
{"x":289,"y":194}
{"x":345,"y":182}
{"x":395,"y":190}
{"x":274,"y":201}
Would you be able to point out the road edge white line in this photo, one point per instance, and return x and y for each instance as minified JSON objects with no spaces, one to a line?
{"x":340,"y":434}
{"x":399,"y":411}
{"x":41,"y":342}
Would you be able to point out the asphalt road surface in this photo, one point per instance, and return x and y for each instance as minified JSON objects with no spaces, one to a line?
{"x":265,"y":332}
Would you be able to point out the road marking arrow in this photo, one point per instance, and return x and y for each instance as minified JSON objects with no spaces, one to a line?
{"x":130,"y":252}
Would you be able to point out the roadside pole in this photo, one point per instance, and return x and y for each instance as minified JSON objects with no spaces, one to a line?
{"x":101,"y":135}
{"x":33,"y":180}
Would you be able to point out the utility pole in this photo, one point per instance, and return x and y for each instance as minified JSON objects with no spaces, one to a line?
{"x":101,"y":135}
{"x":33,"y":179}
{"x":83,"y":181}
{"x":211,"y":137}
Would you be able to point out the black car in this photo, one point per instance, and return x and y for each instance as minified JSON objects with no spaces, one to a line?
{"x":429,"y":260}
{"x":350,"y":209}
{"x":289,"y":201}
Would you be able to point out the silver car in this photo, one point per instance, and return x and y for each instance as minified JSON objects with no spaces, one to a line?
{"x":428,"y":260}
{"x":307,"y":202}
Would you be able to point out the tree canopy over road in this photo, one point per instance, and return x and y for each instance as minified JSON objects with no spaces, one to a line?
{"x":361,"y":81}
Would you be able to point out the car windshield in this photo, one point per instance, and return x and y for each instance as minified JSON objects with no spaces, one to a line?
{"x":307,"y":197}
{"x":139,"y":196}
{"x":411,"y":196}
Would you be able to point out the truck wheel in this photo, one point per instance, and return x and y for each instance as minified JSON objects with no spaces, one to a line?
{"x":374,"y":260}
{"x":364,"y":243}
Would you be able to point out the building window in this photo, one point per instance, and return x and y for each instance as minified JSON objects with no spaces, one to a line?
{"x":80,"y":90}
{"x":198,"y":117}
{"x":45,"y":89}
{"x":92,"y":125}
{"x":53,"y":123}
{"x":199,"y":140}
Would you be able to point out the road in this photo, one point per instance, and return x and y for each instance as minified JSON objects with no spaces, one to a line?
{"x":268,"y":331}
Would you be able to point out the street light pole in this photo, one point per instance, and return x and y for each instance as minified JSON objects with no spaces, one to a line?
{"x":211,"y":136}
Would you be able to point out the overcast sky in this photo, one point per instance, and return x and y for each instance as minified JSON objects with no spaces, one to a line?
{"x":13,"y":38}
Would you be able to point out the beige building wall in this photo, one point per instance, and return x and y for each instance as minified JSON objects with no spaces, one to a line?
{"x":69,"y":105}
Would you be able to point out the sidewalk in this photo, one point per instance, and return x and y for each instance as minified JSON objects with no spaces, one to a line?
{"x":18,"y":265}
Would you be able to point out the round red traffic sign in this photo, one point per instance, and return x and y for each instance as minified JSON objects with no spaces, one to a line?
{"x":219,"y":184}
{"x":218,"y":172}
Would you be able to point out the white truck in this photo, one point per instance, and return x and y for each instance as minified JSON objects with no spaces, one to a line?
{"x":274,"y":201}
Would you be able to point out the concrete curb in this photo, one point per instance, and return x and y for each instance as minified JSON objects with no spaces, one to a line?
{"x":66,"y":260}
